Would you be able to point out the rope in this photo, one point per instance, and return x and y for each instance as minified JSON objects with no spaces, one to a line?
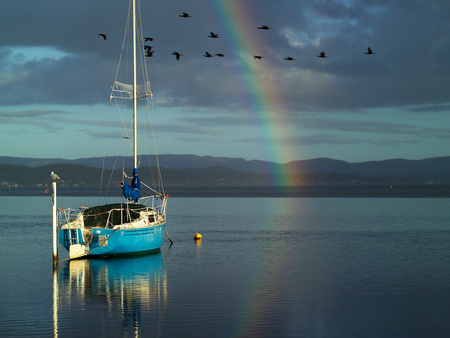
{"x":151,"y":189}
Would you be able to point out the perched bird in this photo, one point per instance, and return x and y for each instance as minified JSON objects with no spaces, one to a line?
{"x":288,"y":58}
{"x":220,"y":55}
{"x":257,"y":57}
{"x":184,"y":15}
{"x":369,"y":51}
{"x":148,"y":48}
{"x":321,"y":55}
{"x":149,"y":53}
{"x":212,"y":35}
{"x":54,"y":176}
{"x":102,"y":35}
{"x":264,"y":27}
{"x":177,"y":55}
{"x":148,"y":39}
{"x":207,"y":55}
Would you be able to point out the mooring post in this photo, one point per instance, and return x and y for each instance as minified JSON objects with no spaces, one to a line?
{"x":55,"y":222}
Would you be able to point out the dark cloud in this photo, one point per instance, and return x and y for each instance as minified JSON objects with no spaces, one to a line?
{"x":409,"y":39}
{"x":26,"y":114}
{"x":52,"y":55}
{"x":372,"y":127}
{"x":50,"y":80}
{"x":434,"y":108}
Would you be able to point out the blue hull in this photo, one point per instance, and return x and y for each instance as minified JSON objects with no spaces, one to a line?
{"x":117,"y":242}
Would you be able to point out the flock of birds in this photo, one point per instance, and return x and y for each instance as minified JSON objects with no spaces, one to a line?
{"x":149,"y":49}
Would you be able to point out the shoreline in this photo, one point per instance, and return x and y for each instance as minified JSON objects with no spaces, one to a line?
{"x":368,"y":191}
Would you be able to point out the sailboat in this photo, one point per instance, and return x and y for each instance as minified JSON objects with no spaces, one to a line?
{"x":126,"y":227}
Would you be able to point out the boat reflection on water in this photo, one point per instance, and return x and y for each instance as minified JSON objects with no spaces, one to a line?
{"x":120,"y":290}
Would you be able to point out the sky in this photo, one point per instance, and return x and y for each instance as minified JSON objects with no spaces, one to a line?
{"x":56,"y":74}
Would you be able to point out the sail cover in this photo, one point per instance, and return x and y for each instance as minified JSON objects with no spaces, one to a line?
{"x":125,"y":91}
{"x":111,"y":214}
{"x":132,"y":192}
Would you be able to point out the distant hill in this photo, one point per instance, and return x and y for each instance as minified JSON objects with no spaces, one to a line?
{"x":385,"y":167}
{"x":165,"y":161}
{"x":394,"y":167}
{"x":208,"y":171}
{"x":74,"y":175}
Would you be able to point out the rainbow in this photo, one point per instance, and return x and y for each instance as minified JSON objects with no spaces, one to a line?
{"x":270,"y":278}
{"x":263,"y":99}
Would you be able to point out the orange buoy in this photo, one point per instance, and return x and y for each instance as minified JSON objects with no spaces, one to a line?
{"x":197,"y":237}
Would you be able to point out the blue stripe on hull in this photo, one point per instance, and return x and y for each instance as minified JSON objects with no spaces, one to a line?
{"x":116,"y":242}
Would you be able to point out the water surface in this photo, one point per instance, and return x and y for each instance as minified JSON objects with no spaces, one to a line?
{"x":320,"y":267}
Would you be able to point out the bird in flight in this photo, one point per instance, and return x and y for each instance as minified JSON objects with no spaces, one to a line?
{"x":257,"y":57}
{"x":149,"y":53}
{"x":54,"y":176}
{"x":288,"y":58}
{"x":148,"y":39}
{"x":184,"y":15}
{"x":177,"y":55}
{"x":264,"y":27}
{"x":102,"y":35}
{"x":220,"y":55}
{"x":369,"y":51}
{"x":207,"y":55}
{"x":212,"y":35}
{"x":148,"y":50}
{"x":321,"y":55}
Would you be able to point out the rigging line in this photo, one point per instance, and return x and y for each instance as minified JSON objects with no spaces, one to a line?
{"x":142,"y":144}
{"x":144,"y":72}
{"x":145,"y":122}
{"x":160,"y":182}
{"x":124,"y":40}
{"x":147,"y":198}
{"x":104,"y":156}
{"x":126,"y":137}
{"x":125,"y":129}
{"x":154,"y":178}
{"x":143,"y":138}
{"x":151,"y":189}
{"x":141,"y":54}
{"x":149,"y":111}
{"x":104,"y":153}
{"x":143,"y":135}
{"x":112,"y":171}
{"x":127,"y":134}
{"x":124,"y":174}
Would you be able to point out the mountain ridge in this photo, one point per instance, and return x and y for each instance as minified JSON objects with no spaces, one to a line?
{"x":326,"y":165}
{"x":193,"y":170}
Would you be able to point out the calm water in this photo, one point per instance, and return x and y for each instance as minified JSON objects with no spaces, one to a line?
{"x":267,"y":267}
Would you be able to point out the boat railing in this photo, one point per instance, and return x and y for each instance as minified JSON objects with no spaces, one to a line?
{"x":158,"y":203}
{"x":68,"y":215}
{"x":70,"y":218}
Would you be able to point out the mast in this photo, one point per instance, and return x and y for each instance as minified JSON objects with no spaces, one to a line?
{"x":134,"y":89}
